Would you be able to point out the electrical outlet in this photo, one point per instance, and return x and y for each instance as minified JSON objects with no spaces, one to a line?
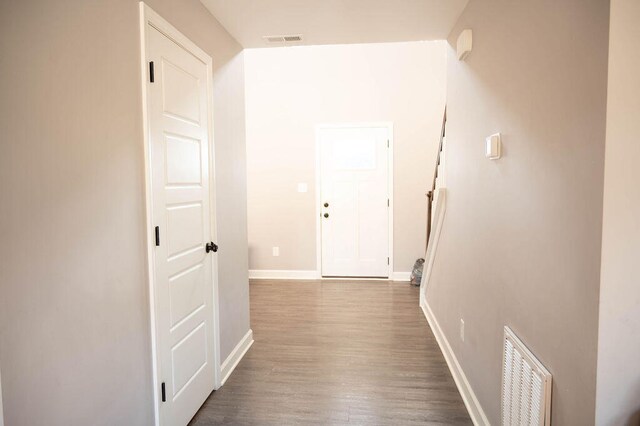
{"x":276,"y":251}
{"x":461,"y":329}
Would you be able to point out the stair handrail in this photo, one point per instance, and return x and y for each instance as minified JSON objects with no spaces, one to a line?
{"x":431,"y":193}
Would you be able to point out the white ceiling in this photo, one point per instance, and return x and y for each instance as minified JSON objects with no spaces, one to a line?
{"x":336,"y":21}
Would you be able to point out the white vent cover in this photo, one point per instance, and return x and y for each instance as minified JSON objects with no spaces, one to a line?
{"x":283,"y":39}
{"x":526,"y":385}
{"x":274,"y":39}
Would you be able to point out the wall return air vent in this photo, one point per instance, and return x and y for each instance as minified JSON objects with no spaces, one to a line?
{"x":526,"y":385}
{"x":283,"y":39}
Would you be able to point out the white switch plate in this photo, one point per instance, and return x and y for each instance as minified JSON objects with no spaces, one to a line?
{"x":302,"y":187}
{"x":461,"y":329}
{"x":493,"y":147}
{"x":276,"y":251}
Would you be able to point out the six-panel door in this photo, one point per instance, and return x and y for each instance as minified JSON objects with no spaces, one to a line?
{"x":179,"y":138}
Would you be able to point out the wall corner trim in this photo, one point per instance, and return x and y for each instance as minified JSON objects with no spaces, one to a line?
{"x":400,"y":276}
{"x":434,"y":240}
{"x":236,"y":356}
{"x":273,"y":274}
{"x":474,"y":408}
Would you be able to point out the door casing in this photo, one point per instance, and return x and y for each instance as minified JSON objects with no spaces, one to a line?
{"x":319,"y":128}
{"x":1,"y":411}
{"x":149,"y":17}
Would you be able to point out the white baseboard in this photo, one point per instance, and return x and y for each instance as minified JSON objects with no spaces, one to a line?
{"x":287,"y":274}
{"x":464,"y":387}
{"x":272,"y":274}
{"x":400,"y":276}
{"x":235,"y":356}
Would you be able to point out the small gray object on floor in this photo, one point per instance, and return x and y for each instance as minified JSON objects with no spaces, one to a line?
{"x":416,"y":272}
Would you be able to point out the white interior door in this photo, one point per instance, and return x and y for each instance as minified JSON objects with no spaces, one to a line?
{"x":354,"y":194}
{"x":178,"y":113}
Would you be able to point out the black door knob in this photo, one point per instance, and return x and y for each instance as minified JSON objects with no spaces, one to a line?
{"x":211,"y":247}
{"x":326,"y":204}
{"x":326,"y":215}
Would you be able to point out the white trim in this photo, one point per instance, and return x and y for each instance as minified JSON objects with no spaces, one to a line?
{"x":387,"y":125}
{"x":1,"y":411}
{"x":318,"y":205}
{"x":434,"y":240}
{"x":442,"y":172}
{"x":236,"y":356}
{"x":150,"y":17}
{"x":309,"y":275}
{"x":474,"y":408}
{"x":350,"y":279}
{"x":266,"y":274}
{"x":401,"y":276}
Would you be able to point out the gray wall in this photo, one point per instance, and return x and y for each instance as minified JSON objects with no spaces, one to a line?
{"x":520,"y":244}
{"x":618,"y":393}
{"x":74,"y":315}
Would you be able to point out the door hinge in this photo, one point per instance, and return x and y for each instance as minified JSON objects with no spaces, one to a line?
{"x":151,"y":72}
{"x":387,"y":202}
{"x":387,"y":260}
{"x":387,"y":143}
{"x":164,"y":394}
{"x":157,"y":236}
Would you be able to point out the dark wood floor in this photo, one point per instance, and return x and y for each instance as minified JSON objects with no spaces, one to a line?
{"x":339,"y":353}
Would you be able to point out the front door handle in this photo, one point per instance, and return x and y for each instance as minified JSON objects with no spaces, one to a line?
{"x":211,"y":247}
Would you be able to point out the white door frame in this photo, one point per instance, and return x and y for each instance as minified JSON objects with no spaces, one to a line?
{"x":150,"y":17}
{"x":1,"y":411}
{"x":385,"y":125}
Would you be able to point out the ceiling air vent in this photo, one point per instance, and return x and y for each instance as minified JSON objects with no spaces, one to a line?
{"x":283,"y":39}
{"x":273,"y":39}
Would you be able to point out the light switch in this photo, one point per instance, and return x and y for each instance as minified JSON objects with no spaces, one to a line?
{"x":493,"y":148}
{"x":302,"y":187}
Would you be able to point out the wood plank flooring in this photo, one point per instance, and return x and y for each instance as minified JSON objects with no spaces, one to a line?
{"x":337,"y":353}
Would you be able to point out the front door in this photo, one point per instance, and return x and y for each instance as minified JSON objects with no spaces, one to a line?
{"x":354,"y":194}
